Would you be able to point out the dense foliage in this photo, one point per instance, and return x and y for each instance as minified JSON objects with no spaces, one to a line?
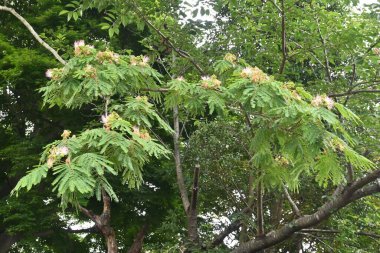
{"x":274,"y":141}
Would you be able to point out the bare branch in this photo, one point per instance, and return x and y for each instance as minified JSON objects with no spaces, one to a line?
{"x":33,"y":32}
{"x":260,"y":209}
{"x":167,"y":41}
{"x":192,"y":212}
{"x":235,"y":225}
{"x":323,"y":41}
{"x":334,"y":231}
{"x":342,"y":196}
{"x":283,"y":38}
{"x":88,"y":213}
{"x":92,"y":229}
{"x":352,"y":93}
{"x":177,"y":159}
{"x":293,"y":204}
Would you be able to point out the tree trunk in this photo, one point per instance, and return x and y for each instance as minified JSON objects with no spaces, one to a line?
{"x":192,"y":214}
{"x":6,"y":241}
{"x":138,"y":242}
{"x":111,"y":241}
{"x":103,"y":223}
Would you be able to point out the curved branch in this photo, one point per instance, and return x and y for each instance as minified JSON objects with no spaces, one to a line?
{"x":353,"y":92}
{"x":33,"y":32}
{"x":293,"y":204}
{"x":167,"y":41}
{"x":341,"y":198}
{"x":334,"y":231}
{"x":177,"y":159}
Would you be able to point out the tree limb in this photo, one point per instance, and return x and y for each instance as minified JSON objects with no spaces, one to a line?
{"x":33,"y":32}
{"x":192,"y":212}
{"x":167,"y":41}
{"x":293,"y":204}
{"x":235,"y":225}
{"x":342,"y":196}
{"x":334,"y":231}
{"x":283,"y":38}
{"x":323,"y":41}
{"x":177,"y":159}
{"x":352,"y":93}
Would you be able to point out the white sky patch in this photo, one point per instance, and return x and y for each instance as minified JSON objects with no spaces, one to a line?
{"x":190,"y":7}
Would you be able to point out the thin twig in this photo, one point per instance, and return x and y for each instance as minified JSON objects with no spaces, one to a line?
{"x":293,"y":204}
{"x":167,"y":41}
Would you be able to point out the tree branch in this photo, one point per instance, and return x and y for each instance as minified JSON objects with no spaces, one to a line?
{"x":334,"y":231}
{"x":177,"y":159}
{"x":167,"y":41}
{"x":283,"y":38}
{"x":192,"y":212}
{"x":323,"y":41}
{"x":342,"y":196}
{"x":260,"y":209}
{"x":293,"y":204}
{"x":235,"y":225}
{"x":33,"y":32}
{"x":88,"y":213}
{"x":352,"y":93}
{"x":92,"y":229}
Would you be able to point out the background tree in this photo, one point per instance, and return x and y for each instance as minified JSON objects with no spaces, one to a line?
{"x":273,"y":39}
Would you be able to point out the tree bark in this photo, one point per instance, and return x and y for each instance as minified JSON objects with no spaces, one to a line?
{"x":33,"y":32}
{"x":243,"y":236}
{"x":260,"y":210}
{"x":193,"y":212}
{"x":139,"y":240}
{"x":6,"y":241}
{"x":177,"y":159}
{"x":103,"y":223}
{"x":342,"y":196}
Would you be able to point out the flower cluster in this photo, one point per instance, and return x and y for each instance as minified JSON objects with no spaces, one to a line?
{"x":90,"y":71}
{"x":255,"y":74}
{"x":337,"y":145}
{"x":323,"y":101}
{"x":296,"y":96}
{"x":108,"y":56}
{"x":54,"y":74}
{"x":56,"y":153}
{"x":66,"y":134}
{"x":107,"y":120}
{"x":142,"y":61}
{"x":210,"y":82}
{"x":181,"y":79}
{"x":230,"y":58}
{"x":143,"y":134}
{"x":80,"y":48}
{"x":142,"y":98}
{"x":282,"y":160}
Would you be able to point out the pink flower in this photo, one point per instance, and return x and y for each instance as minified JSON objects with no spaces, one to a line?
{"x":180,"y":78}
{"x":317,"y":101}
{"x":145,"y":59}
{"x":247,"y":72}
{"x":104,"y":119}
{"x":136,"y":130}
{"x":79,"y":43}
{"x":329,"y":103}
{"x":50,"y":162}
{"x":63,"y":151}
{"x":49,"y":73}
